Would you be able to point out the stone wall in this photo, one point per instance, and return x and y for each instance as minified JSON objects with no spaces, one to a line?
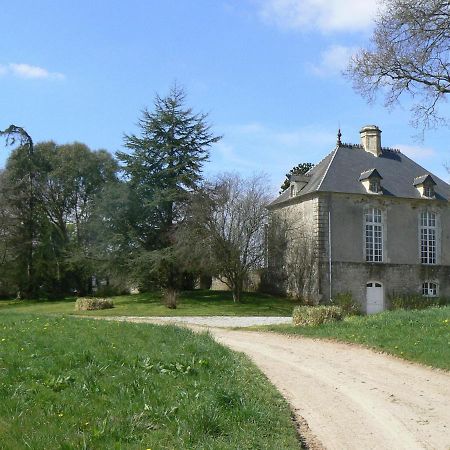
{"x":293,"y":249}
{"x":401,"y":270}
{"x":401,"y":227}
{"x":395,"y":278}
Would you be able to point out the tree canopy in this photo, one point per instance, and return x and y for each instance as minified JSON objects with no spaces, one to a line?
{"x":47,"y":201}
{"x":409,"y":54}
{"x":163,"y":166}
{"x":296,"y":170}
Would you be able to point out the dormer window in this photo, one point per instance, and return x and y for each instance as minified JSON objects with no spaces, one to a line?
{"x":371,"y":180}
{"x":298,"y":182}
{"x":425,"y":185}
{"x":428,"y":191}
{"x":374,"y":186}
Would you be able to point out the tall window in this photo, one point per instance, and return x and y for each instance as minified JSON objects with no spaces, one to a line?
{"x":428,"y":237}
{"x":374,"y":235}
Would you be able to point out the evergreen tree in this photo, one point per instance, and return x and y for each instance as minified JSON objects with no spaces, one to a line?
{"x":20,"y":189}
{"x":296,"y":170}
{"x":163,"y":166}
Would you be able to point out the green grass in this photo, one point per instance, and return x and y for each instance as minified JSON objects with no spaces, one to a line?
{"x":191,"y":303}
{"x":422,"y":336}
{"x":68,"y":383}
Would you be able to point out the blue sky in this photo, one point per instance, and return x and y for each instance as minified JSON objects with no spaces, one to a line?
{"x":266,"y":71}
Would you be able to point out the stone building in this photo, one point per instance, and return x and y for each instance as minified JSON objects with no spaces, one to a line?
{"x":366,"y":220}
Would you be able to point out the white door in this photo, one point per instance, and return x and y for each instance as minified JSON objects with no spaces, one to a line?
{"x":375,"y":297}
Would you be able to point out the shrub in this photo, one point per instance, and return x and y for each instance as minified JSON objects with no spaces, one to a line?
{"x":316,"y":315}
{"x":90,"y":304}
{"x":345,"y":301}
{"x":417,"y":301}
{"x":170,"y":298}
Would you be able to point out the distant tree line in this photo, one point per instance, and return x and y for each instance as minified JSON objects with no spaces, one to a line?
{"x":72,"y":218}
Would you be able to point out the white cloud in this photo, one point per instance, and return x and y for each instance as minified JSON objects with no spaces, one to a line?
{"x":417,"y":152}
{"x":254,"y":147}
{"x":326,"y":15}
{"x":259,"y":147}
{"x":307,"y":135}
{"x":333,"y":60}
{"x":228,"y":154}
{"x":29,"y":72}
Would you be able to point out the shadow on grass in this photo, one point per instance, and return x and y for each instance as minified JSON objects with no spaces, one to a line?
{"x":198,"y":302}
{"x":16,"y":303}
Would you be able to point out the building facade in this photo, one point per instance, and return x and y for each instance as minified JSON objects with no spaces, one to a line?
{"x":366,"y":220}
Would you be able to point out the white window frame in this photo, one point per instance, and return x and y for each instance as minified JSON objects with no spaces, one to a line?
{"x":430,"y":289}
{"x":428,"y":237}
{"x":373,"y":235}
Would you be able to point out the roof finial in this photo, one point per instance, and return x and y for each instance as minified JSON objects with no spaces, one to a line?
{"x":339,"y":135}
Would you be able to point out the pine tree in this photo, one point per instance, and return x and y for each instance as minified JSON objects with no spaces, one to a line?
{"x":297,"y":170}
{"x":164,"y":165}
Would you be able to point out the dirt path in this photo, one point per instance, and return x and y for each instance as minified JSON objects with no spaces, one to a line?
{"x":351,"y":397}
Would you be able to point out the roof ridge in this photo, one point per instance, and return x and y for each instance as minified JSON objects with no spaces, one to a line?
{"x":386,"y":149}
{"x":326,"y":170}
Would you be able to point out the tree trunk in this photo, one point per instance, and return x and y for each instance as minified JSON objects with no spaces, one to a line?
{"x":205,"y":281}
{"x":171,"y":291}
{"x":170,"y":296}
{"x":237,"y":290}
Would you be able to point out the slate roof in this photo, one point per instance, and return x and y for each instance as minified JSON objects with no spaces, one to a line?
{"x":423,"y":178}
{"x":340,"y":171}
{"x":370,"y":173}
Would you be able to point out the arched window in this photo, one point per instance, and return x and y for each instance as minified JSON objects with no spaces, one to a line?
{"x":427,"y":237}
{"x":429,"y":289}
{"x":373,"y":234}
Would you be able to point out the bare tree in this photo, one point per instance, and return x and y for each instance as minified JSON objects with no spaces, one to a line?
{"x":224,"y":229}
{"x":409,"y":53}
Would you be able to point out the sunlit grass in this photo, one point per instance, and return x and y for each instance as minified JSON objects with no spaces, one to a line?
{"x":69,"y":383}
{"x":191,"y":303}
{"x":422,"y":336}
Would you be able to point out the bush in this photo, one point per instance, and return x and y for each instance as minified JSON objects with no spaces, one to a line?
{"x":316,"y":315}
{"x":417,"y":301}
{"x":345,"y":301}
{"x":170,"y":297}
{"x":90,"y":304}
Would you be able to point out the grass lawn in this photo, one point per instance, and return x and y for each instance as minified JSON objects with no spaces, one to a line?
{"x":191,"y":303}
{"x":68,"y":383}
{"x":422,"y":336}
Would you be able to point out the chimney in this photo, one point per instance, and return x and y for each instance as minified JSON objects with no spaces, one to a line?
{"x":371,"y":139}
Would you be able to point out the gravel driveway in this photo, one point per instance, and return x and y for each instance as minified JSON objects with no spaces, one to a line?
{"x":351,"y":398}
{"x":209,"y":321}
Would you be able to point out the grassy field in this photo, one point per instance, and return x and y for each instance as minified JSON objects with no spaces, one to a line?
{"x":191,"y":303}
{"x":68,"y":383}
{"x":422,"y":336}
